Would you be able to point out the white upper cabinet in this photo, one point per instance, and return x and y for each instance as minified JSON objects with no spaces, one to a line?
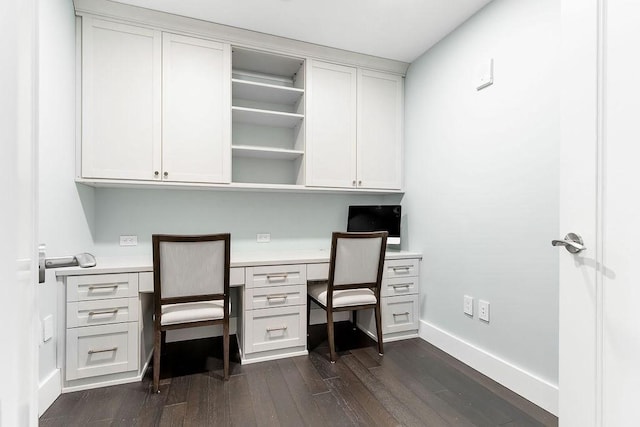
{"x":331,"y":125}
{"x":121,"y":100}
{"x":196,"y":115}
{"x":355,"y":125}
{"x":380,"y":130}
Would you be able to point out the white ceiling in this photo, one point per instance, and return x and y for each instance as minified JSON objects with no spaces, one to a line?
{"x":394,"y":29}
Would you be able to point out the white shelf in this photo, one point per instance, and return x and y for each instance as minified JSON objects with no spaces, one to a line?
{"x":266,"y":117}
{"x":266,"y":153}
{"x":262,"y":92}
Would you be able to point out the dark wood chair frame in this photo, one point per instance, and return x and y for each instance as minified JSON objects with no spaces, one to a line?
{"x":374,"y":286}
{"x":159,"y":329}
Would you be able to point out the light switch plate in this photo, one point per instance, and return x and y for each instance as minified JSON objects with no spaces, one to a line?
{"x":484,"y":74}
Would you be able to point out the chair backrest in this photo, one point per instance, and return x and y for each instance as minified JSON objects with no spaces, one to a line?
{"x":357,"y":261}
{"x":190,"y":268}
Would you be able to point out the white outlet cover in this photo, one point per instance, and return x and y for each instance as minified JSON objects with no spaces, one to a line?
{"x":468,"y":305}
{"x":263,"y":237}
{"x":128,"y":240}
{"x":484,"y":74}
{"x":483,"y":310}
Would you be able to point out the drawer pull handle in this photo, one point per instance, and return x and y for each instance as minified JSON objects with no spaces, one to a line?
{"x":97,"y":313}
{"x":401,"y":285}
{"x":401,"y":268}
{"x":91,"y":288}
{"x":103,"y":350}
{"x":279,"y":328}
{"x":406,"y":313}
{"x":272,"y":277}
{"x":270,"y":297}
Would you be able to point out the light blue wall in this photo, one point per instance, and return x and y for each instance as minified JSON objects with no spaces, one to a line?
{"x":481,"y":174}
{"x":294,"y":220}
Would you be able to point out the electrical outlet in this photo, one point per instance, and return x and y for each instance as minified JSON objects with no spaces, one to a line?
{"x":130,"y":240}
{"x":263,"y":237}
{"x":483,"y":310}
{"x":468,"y":305}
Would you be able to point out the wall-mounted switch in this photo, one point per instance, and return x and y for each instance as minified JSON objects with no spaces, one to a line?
{"x":483,"y":310}
{"x":263,"y":237}
{"x":129,"y":240}
{"x":468,"y":305}
{"x":47,"y":328}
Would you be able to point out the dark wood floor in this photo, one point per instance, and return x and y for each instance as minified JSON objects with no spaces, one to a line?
{"x":414,"y":384}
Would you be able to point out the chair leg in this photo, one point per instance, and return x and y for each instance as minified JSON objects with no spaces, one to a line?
{"x":225,"y":349}
{"x":157,"y":348}
{"x":355,"y":319}
{"x":308,"y":313}
{"x":379,"y":327}
{"x":330,"y":333}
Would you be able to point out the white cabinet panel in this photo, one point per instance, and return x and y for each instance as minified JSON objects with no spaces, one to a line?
{"x":331,"y":125}
{"x":276,"y":275}
{"x":400,"y":314}
{"x":398,"y":268}
{"x":121,"y":123}
{"x":99,"y":312}
{"x":102,"y":286}
{"x":196,"y":142}
{"x":380,"y":130}
{"x":275,"y":296}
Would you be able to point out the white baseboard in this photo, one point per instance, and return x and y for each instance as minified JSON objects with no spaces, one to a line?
{"x":48,"y":391}
{"x":526,"y":384}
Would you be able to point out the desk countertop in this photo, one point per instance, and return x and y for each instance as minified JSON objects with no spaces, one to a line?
{"x":133,"y":264}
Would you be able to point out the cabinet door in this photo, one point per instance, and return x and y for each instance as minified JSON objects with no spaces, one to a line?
{"x":380,"y":130}
{"x":121,"y":105}
{"x":196,"y":141}
{"x":331,"y":125}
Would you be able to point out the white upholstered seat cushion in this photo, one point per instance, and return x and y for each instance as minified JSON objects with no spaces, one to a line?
{"x":192,"y":312}
{"x":342,"y":298}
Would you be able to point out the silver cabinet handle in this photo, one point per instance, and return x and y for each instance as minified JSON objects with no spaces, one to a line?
{"x":402,"y":268}
{"x":272,"y":277}
{"x":97,"y":313}
{"x":105,"y":350}
{"x":91,"y":288}
{"x":401,"y":285}
{"x":406,"y":313}
{"x":278,"y":328}
{"x":572,"y":242}
{"x":270,"y":297}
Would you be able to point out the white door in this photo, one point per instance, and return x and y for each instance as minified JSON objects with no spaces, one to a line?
{"x":380,"y":129}
{"x":18,"y":358}
{"x":600,"y":199}
{"x":196,"y":99}
{"x":331,"y":125}
{"x":121,"y":104}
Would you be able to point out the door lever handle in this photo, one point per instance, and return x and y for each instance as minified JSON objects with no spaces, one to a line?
{"x":572,"y":242}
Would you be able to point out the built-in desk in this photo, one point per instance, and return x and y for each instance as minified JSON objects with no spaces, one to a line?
{"x":107,"y":335}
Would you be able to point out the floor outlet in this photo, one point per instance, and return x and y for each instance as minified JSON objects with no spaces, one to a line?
{"x":483,"y":310}
{"x":468,"y":305}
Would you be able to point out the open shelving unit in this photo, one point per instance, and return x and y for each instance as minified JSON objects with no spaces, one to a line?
{"x":267,"y":118}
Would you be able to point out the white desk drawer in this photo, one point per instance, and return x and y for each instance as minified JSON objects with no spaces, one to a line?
{"x":236,"y":276}
{"x":400,"y":314}
{"x":102,"y":286}
{"x":401,"y":268}
{"x":101,"y":312}
{"x":101,"y":350}
{"x":275,"y":296}
{"x":399,"y":286}
{"x":276,"y":275}
{"x":318,"y":271}
{"x":276,"y":328}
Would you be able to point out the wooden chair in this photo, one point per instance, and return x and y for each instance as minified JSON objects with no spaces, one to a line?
{"x":191,"y":288}
{"x":354,"y":283}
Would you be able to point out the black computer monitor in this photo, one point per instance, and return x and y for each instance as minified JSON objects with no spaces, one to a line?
{"x":376,"y":218}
